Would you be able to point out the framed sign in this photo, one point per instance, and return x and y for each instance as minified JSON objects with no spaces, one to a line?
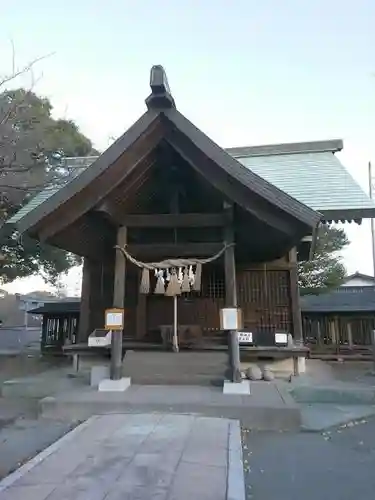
{"x":114,"y":319}
{"x":245,"y":337}
{"x":281,"y":338}
{"x":230,"y":318}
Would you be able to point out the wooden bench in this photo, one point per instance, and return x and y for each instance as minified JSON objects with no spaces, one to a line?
{"x":77,"y":351}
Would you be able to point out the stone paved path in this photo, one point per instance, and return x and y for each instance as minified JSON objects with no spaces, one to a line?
{"x":136,"y":456}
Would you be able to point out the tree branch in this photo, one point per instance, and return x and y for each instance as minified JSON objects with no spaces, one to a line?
{"x":21,"y":71}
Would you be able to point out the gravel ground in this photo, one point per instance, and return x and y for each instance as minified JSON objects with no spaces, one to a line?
{"x":24,"y":438}
{"x":19,"y":340}
{"x":338,"y":464}
{"x":24,"y":364}
{"x":22,"y":434}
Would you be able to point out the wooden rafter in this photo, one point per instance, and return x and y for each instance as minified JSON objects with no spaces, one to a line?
{"x":166,"y":220}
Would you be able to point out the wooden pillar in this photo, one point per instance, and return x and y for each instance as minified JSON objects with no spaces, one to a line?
{"x":141,"y":315}
{"x":92,"y":301}
{"x":84,"y":315}
{"x":318,"y":333}
{"x":118,"y":302}
{"x":231,"y":292}
{"x":294,"y":296}
{"x":333,"y":332}
{"x":44,"y":332}
{"x":350,"y":334}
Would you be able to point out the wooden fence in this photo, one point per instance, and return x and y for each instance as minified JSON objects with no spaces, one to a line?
{"x":338,"y":335}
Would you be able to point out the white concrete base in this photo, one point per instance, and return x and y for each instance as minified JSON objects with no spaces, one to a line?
{"x":242,"y":387}
{"x":301,"y":364}
{"x":97,"y":374}
{"x":108,"y":385}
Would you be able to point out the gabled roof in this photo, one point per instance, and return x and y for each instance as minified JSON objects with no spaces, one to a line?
{"x":365,"y":277}
{"x":179,"y":132}
{"x":58,"y":307}
{"x":297,"y":169}
{"x":311,"y":173}
{"x":340,"y":302}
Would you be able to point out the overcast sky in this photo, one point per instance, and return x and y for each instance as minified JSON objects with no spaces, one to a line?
{"x":246,"y":72}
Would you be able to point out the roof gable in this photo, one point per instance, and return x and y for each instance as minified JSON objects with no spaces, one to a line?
{"x":159,"y":122}
{"x":52,"y":199}
{"x":232,"y":167}
{"x":361,"y":277}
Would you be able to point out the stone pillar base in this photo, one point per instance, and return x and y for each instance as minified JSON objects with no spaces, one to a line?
{"x":108,"y":385}
{"x":242,"y":387}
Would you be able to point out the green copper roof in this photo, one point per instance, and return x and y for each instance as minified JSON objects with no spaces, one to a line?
{"x":309,"y":172}
{"x":317,"y":179}
{"x":75,"y":165}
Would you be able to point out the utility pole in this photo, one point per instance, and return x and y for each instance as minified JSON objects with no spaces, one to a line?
{"x":371,"y":190}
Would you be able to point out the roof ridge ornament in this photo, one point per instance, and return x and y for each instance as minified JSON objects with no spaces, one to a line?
{"x":160,"y":97}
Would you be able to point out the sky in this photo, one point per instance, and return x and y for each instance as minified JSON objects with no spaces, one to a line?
{"x":245,"y":72}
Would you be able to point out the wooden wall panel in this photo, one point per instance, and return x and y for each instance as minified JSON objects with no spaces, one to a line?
{"x":263,"y":295}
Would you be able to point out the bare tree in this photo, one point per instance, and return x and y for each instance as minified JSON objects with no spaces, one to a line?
{"x":33,"y":149}
{"x":23,"y":162}
{"x":33,"y":145}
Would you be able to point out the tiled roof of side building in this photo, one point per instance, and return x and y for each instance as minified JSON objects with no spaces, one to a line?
{"x":349,"y":301}
{"x":309,"y":172}
{"x":71,"y":305}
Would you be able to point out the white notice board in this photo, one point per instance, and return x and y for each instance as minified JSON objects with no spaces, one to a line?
{"x":230,"y":318}
{"x":114,"y":319}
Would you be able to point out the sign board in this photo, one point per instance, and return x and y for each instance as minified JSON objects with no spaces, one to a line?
{"x":100,"y":338}
{"x":281,"y":338}
{"x":245,"y":337}
{"x":230,"y":318}
{"x":114,"y":319}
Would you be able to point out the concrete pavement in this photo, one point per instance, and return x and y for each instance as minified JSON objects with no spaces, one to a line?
{"x":337,"y":464}
{"x":139,"y":456}
{"x":266,"y":409}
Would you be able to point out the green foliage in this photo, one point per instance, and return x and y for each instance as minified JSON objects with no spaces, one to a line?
{"x":24,"y":257}
{"x":30,"y":142}
{"x":64,"y":135}
{"x":325,"y":271}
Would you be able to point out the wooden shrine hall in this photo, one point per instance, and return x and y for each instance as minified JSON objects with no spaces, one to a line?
{"x":164,"y":207}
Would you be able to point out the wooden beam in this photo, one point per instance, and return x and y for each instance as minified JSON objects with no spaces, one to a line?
{"x":294,"y":298}
{"x":118,"y":302}
{"x":170,"y":220}
{"x":91,"y":196}
{"x":234,"y":190}
{"x":231,"y":292}
{"x":88,"y":237}
{"x":113,"y":211}
{"x":135,"y":175}
{"x":165,"y":250}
